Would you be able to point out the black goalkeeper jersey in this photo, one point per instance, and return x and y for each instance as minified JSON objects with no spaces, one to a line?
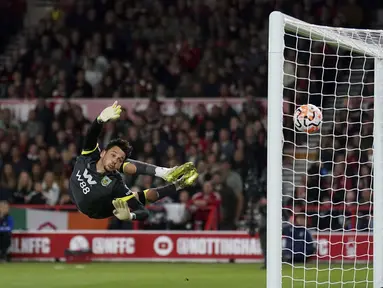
{"x":94,"y":192}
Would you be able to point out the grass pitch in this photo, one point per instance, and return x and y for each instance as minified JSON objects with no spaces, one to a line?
{"x":171,"y":275}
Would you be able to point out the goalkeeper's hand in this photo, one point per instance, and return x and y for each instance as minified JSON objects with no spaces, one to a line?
{"x":110,"y":113}
{"x":121,"y":210}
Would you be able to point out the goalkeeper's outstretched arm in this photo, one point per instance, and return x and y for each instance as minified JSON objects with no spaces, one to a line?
{"x":91,"y":140}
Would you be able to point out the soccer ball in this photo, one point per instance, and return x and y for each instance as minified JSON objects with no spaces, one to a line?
{"x":308,"y":118}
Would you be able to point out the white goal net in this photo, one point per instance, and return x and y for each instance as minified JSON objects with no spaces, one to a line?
{"x":324,"y":196}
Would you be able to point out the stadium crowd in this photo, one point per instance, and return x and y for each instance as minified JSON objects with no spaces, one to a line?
{"x":156,"y":49}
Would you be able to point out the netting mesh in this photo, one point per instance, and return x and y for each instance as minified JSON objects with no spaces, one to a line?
{"x":327,"y":176}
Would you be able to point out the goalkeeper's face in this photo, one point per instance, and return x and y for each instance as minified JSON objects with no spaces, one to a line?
{"x":112,"y":159}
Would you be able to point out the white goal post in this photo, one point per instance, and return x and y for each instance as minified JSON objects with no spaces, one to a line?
{"x":351,"y":86}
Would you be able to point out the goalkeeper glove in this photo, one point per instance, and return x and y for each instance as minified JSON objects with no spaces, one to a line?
{"x":121,"y":210}
{"x":110,"y":113}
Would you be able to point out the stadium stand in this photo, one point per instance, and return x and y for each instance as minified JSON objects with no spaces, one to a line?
{"x":156,"y":49}
{"x":11,"y":20}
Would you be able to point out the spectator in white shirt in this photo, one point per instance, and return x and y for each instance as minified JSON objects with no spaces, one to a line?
{"x":92,"y":75}
{"x":51,"y":189}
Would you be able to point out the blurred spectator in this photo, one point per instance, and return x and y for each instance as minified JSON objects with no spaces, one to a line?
{"x":18,"y":162}
{"x":33,"y":126}
{"x":229,"y":202}
{"x":64,"y":193}
{"x":51,"y":189}
{"x":158,"y":216}
{"x":298,"y":244}
{"x":92,"y":75}
{"x":202,"y":202}
{"x":233,"y":181}
{"x":37,"y":197}
{"x":24,"y":188}
{"x":178,"y":214}
{"x":225,"y":145}
{"x":8,"y":181}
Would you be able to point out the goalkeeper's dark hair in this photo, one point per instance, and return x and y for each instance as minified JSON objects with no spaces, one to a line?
{"x":122,"y":144}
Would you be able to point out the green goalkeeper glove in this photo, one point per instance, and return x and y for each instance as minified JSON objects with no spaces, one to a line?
{"x":110,"y":113}
{"x":121,"y":210}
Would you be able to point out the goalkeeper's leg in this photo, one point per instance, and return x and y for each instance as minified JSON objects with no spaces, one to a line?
{"x":153,"y":194}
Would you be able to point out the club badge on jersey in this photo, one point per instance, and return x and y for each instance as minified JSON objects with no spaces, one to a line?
{"x":105,"y":181}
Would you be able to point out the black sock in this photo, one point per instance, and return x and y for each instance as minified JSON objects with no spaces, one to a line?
{"x":166,"y":191}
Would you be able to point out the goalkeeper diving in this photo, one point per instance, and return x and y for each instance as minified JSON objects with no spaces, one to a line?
{"x":96,"y":184}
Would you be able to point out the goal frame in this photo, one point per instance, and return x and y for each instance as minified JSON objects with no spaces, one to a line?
{"x":278,"y":23}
